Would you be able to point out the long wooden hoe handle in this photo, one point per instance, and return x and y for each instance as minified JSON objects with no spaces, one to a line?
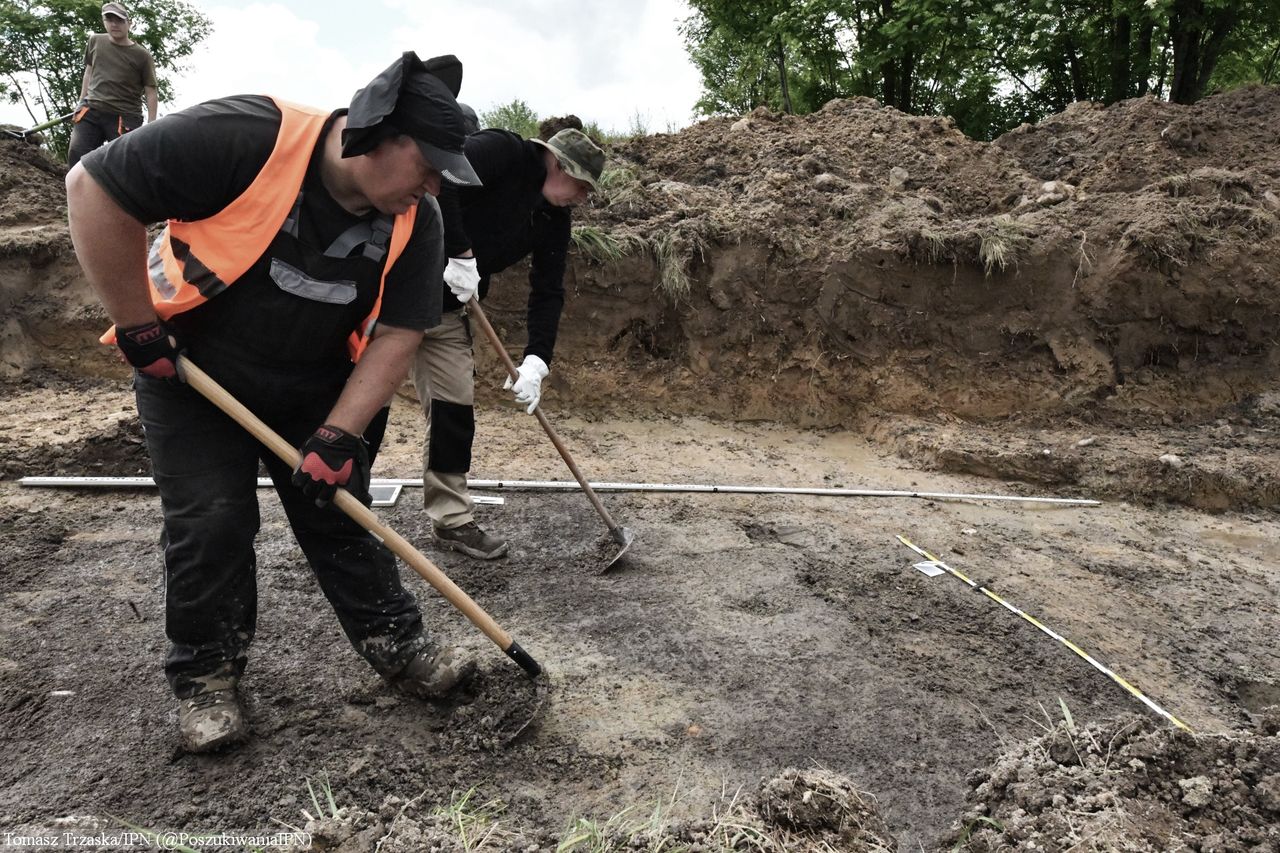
{"x":473,"y":308}
{"x":362,"y":515}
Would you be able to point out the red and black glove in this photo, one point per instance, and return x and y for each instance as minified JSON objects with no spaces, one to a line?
{"x":151,"y":348}
{"x":333,"y":457}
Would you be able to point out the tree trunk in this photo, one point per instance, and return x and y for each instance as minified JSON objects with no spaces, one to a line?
{"x":1270,"y":70}
{"x":1142,"y":65}
{"x":906,"y":76}
{"x":1079,"y":85}
{"x":1198,"y":37}
{"x":1221,"y":23}
{"x":1158,"y":91}
{"x":782,"y":75}
{"x":1121,"y":32}
{"x":889,"y":68}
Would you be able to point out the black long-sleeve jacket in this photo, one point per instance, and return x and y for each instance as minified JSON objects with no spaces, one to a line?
{"x":506,"y":220}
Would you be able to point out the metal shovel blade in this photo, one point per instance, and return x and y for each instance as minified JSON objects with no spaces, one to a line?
{"x":623,"y":537}
{"x":513,"y":729}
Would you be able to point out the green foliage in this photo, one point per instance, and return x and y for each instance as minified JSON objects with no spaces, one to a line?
{"x":517,"y":117}
{"x":42,"y":46}
{"x":990,"y":64}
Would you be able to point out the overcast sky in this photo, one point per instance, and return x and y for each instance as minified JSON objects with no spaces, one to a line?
{"x":606,"y":61}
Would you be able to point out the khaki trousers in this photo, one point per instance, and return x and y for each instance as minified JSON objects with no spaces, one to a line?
{"x":444,"y":371}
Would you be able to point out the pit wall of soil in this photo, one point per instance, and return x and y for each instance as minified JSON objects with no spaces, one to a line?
{"x":1119,"y":263}
{"x":759,"y":337}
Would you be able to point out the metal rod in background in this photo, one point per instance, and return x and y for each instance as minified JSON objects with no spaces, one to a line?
{"x":565,"y":485}
{"x":554,"y":485}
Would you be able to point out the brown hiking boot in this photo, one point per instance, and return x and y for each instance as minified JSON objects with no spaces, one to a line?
{"x":434,"y":673}
{"x":470,"y":540}
{"x":209,"y":721}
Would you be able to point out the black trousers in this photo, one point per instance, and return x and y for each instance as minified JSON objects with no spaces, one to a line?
{"x":95,"y":129}
{"x":206,"y":467}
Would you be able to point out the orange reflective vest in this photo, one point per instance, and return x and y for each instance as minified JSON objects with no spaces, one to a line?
{"x":192,"y":262}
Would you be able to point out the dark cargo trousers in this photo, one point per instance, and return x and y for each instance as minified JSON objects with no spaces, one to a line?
{"x":206,"y":468}
{"x":95,"y":128}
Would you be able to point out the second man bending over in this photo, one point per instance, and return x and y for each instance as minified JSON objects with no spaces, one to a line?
{"x":522,"y":210}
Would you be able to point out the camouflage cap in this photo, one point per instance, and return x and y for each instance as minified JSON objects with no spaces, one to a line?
{"x":578,"y":155}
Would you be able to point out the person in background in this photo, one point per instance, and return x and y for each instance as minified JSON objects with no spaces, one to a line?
{"x":301,"y":262}
{"x":520,"y":210}
{"x":118,"y":74}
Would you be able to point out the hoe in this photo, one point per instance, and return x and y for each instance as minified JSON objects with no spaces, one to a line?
{"x":366,"y":518}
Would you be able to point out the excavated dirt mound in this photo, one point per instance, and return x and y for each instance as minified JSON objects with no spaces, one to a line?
{"x":1130,"y":785}
{"x":861,"y":256}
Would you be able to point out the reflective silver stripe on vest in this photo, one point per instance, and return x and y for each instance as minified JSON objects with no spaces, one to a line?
{"x":194,"y":272}
{"x":155,"y":268}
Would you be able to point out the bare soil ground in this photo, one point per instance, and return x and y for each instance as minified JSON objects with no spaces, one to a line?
{"x":766,"y":662}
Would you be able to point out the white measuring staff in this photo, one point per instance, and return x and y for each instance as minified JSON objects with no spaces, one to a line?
{"x":1135,"y":692}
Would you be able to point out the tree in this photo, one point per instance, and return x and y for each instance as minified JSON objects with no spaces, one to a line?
{"x":763,"y":28}
{"x":517,"y":117}
{"x":990,"y":64}
{"x":42,"y":46}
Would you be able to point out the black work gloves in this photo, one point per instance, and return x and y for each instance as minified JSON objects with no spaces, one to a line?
{"x":152,"y":348}
{"x":333,"y":457}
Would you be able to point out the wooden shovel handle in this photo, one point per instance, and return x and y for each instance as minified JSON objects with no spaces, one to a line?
{"x":361,"y":514}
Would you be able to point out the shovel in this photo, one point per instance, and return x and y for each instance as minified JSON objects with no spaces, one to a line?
{"x":366,"y":518}
{"x":621,"y":535}
{"x":23,"y":134}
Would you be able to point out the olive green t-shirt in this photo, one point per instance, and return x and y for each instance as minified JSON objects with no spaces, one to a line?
{"x":118,"y":75}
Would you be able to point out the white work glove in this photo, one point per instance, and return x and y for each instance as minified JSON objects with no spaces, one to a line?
{"x":463,"y":278}
{"x":528,"y":386}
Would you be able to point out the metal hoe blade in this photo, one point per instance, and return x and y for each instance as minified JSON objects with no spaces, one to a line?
{"x":512,"y":730}
{"x":623,"y":537}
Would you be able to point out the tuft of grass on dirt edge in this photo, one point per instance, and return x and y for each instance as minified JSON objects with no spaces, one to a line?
{"x":1001,"y":242}
{"x":476,"y":826}
{"x":605,"y":247}
{"x":673,"y":279}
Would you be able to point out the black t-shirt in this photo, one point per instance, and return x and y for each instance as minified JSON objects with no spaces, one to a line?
{"x":191,"y":164}
{"x":507,"y":219}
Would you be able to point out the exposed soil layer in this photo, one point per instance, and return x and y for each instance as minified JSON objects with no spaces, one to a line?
{"x":856,"y":298}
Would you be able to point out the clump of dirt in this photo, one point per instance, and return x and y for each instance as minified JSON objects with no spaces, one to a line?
{"x":498,"y":707}
{"x":827,"y":807}
{"x":30,"y":188}
{"x":1130,"y":784}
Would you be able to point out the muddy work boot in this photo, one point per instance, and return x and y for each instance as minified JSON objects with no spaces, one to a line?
{"x":470,"y":540}
{"x":211,"y":720}
{"x":434,"y":673}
